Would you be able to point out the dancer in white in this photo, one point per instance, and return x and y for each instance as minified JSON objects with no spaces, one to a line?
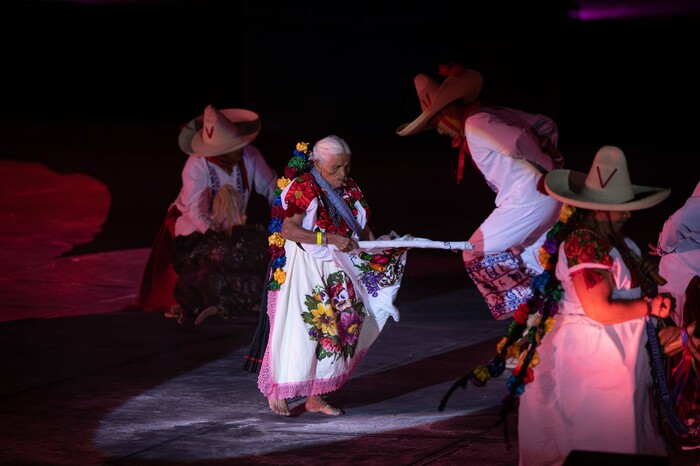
{"x":511,"y":149}
{"x":591,"y":388}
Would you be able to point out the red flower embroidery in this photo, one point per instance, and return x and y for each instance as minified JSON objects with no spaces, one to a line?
{"x":529,"y":375}
{"x":591,"y":277}
{"x":521,"y":314}
{"x":587,"y":253}
{"x":276,"y":211}
{"x":585,"y":247}
{"x":290,"y":172}
{"x":451,"y":69}
{"x":324,"y":222}
{"x":572,"y":247}
{"x":300,"y":194}
{"x":379,"y":262}
{"x":276,"y":251}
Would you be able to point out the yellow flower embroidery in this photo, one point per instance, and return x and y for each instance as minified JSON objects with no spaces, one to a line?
{"x":566,"y":212}
{"x":323,"y":318}
{"x":512,"y":352}
{"x":275,"y":239}
{"x":283,"y":182}
{"x":482,"y":373}
{"x":280,"y":276}
{"x":548,"y":324}
{"x":500,"y":344}
{"x":302,"y":146}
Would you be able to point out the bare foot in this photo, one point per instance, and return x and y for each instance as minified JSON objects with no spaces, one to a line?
{"x":316,"y":404}
{"x":208,"y":312}
{"x":278,"y":406}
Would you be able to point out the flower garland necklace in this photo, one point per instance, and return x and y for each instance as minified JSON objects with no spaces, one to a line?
{"x":546,"y":293}
{"x":298,"y":164}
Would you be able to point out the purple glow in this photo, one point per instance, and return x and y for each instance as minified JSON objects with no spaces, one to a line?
{"x":597,"y":10}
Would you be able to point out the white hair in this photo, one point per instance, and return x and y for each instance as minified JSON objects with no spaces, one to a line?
{"x":330,"y":146}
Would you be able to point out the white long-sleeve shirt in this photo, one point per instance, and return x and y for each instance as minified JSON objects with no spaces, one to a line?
{"x":504,"y":144}
{"x":197,"y":189}
{"x":508,"y":146}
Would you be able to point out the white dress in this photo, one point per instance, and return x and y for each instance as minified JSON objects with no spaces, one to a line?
{"x":591,"y":388}
{"x":328,"y":312}
{"x":679,"y":248}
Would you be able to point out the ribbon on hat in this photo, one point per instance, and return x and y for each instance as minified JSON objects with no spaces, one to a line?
{"x":460,"y":142}
{"x":451,"y":69}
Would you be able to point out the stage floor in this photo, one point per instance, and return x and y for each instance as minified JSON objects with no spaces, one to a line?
{"x":85,"y":382}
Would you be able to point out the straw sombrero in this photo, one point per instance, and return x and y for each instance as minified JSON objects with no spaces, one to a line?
{"x":607,"y":185}
{"x":218,"y":132}
{"x":460,"y":83}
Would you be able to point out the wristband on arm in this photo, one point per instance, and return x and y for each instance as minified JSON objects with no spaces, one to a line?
{"x":648,"y":300}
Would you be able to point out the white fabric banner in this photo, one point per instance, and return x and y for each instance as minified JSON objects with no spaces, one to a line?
{"x":376,"y":269}
{"x":408,"y":241}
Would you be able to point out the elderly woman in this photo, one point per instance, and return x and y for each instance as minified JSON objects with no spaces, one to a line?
{"x":591,"y":388}
{"x":319,"y":326}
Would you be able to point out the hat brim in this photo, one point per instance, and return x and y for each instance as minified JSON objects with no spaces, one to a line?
{"x":565,"y":186}
{"x":418,"y":125}
{"x":190,"y":138}
{"x":465,"y":87}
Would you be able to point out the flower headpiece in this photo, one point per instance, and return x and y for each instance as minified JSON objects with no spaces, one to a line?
{"x":298,"y":164}
{"x":546,"y":293}
{"x":451,"y":69}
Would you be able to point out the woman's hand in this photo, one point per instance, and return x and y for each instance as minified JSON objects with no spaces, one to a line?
{"x":661,"y":305}
{"x":341,"y":242}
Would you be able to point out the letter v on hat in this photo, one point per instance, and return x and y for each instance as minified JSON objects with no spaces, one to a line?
{"x":608,"y":180}
{"x":606,"y":186}
{"x":218,"y":132}
{"x":217,"y":129}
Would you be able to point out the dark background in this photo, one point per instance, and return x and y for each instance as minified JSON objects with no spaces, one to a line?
{"x":102,"y":87}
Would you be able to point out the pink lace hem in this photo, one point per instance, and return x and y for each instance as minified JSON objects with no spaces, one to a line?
{"x":264,"y":374}
{"x":293,"y":389}
{"x":316,"y":386}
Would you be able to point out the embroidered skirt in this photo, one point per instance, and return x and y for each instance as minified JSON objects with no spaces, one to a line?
{"x":320,"y":328}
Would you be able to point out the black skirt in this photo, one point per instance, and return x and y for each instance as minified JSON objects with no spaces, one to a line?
{"x":254,"y":356}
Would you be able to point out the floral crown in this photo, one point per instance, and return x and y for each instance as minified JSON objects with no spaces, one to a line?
{"x":298,"y":164}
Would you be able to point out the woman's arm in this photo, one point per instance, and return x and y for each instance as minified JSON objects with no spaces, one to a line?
{"x":598,"y":304}
{"x":367,"y":234}
{"x":195,"y":194}
{"x":293,"y":230}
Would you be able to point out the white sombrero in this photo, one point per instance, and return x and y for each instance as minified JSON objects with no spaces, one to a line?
{"x":607,"y":185}
{"x":218,"y":132}
{"x":460,"y":83}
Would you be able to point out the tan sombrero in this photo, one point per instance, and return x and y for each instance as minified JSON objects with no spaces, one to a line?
{"x":218,"y":132}
{"x":607,"y":185}
{"x":461,"y":83}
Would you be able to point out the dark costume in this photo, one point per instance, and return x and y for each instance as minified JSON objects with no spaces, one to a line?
{"x":219,"y":270}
